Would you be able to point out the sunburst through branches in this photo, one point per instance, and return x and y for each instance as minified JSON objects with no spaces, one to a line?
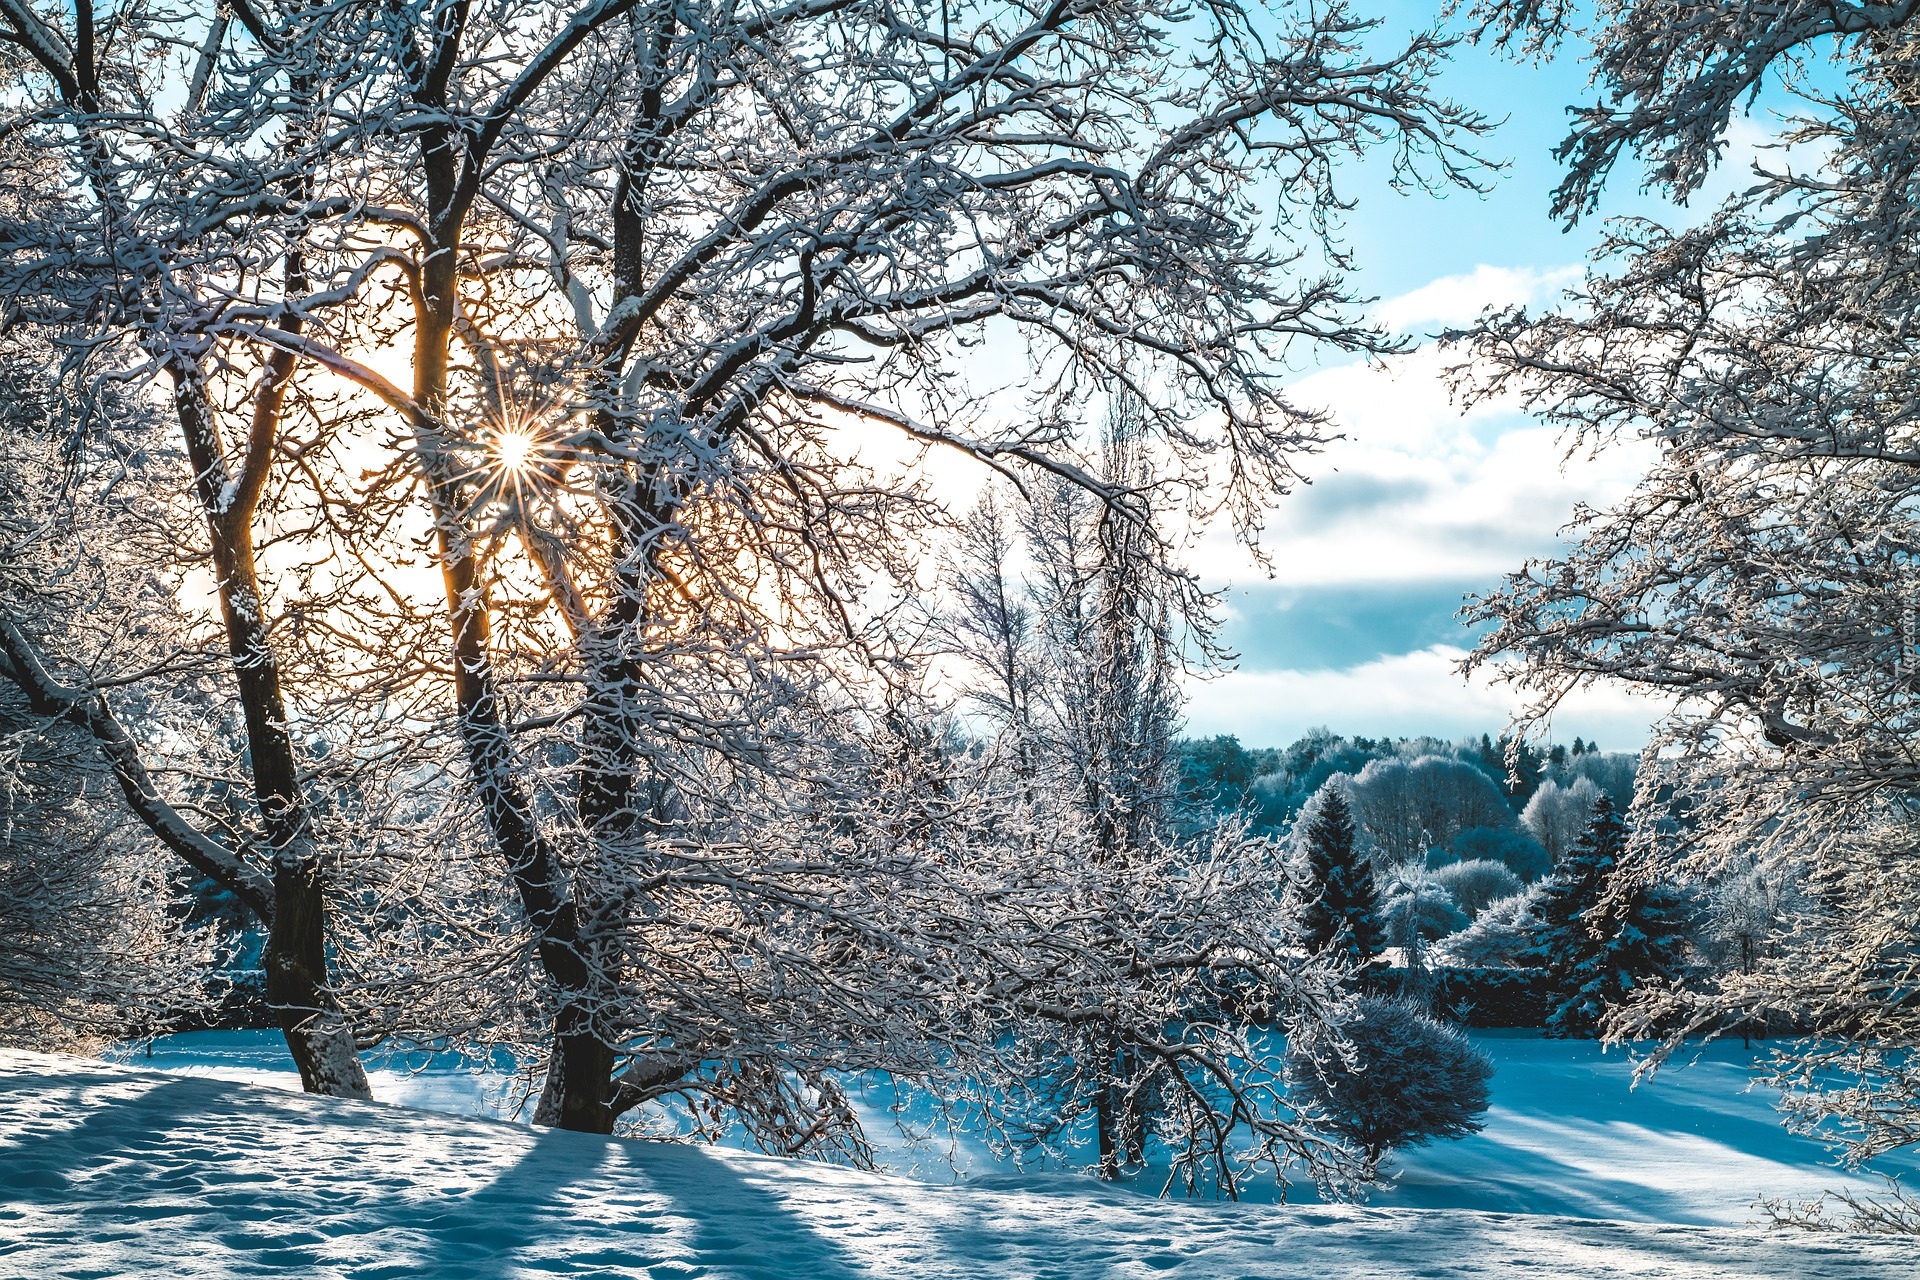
{"x":522,"y":451}
{"x":515,"y":450}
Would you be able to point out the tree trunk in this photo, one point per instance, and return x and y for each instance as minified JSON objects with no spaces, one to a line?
{"x":579,"y":1085}
{"x":1132,"y":1120}
{"x":1103,"y":1110}
{"x":316,"y":1028}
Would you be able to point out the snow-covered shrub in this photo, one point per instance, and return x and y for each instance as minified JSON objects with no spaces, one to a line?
{"x":1476,"y":884}
{"x":1414,"y":903}
{"x":1401,"y":1079}
{"x":92,"y":943}
{"x":1488,"y":997}
{"x":1499,"y":938}
{"x":1520,"y":852}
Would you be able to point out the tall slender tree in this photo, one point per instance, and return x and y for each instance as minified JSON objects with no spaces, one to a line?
{"x":1340,"y":904}
{"x":184,"y":225}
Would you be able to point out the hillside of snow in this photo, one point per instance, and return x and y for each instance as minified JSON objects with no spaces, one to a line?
{"x":110,"y":1170}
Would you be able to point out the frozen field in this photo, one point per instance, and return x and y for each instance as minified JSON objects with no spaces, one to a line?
{"x":109,"y":1170}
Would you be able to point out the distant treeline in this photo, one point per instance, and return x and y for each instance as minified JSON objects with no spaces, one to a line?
{"x":1274,"y":783}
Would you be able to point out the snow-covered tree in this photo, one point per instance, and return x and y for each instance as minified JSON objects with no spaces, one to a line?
{"x":1556,"y":815}
{"x":1604,"y":937}
{"x":1613,"y":772}
{"x":1417,"y":909}
{"x":634,"y":357}
{"x":1410,"y":806}
{"x":1069,"y":634}
{"x":1762,"y":573}
{"x":1744,"y":915}
{"x":1512,"y":847}
{"x":1504,"y":936}
{"x":1407,"y":1079}
{"x":138,"y":230}
{"x":95,"y":942}
{"x":1339,"y":908}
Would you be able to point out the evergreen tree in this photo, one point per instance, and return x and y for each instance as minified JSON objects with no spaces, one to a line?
{"x":1601,"y":946}
{"x":1342,"y":905}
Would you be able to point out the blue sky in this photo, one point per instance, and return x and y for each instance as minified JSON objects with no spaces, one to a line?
{"x":1421,"y":505}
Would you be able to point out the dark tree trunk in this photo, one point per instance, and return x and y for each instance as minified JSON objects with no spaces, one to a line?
{"x":1103,"y":1121}
{"x":295,"y":958}
{"x":579,"y":1084}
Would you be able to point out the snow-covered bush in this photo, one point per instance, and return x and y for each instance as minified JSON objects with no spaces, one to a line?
{"x":1417,"y":907}
{"x":92,"y":941}
{"x":1499,"y":938}
{"x":1401,"y":1079}
{"x":1476,"y":884}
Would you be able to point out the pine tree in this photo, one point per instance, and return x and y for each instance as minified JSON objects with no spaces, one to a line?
{"x":1342,"y":906}
{"x":1600,"y":946}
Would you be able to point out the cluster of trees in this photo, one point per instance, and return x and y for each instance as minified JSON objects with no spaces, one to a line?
{"x":573,"y":690}
{"x":1443,"y":831}
{"x":1274,"y":784}
{"x":1409,"y":860}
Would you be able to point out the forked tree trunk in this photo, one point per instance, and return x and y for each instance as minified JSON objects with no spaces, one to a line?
{"x":579,"y":1086}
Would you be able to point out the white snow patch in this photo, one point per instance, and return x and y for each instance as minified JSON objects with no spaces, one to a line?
{"x":1569,"y":1133}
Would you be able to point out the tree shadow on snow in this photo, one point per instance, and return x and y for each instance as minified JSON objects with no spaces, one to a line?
{"x":249,"y":1181}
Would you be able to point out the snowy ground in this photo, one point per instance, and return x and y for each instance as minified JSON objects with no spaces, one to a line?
{"x":107,"y":1170}
{"x":1567,"y":1134}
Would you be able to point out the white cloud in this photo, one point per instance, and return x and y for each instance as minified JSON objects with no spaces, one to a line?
{"x":1404,"y":695}
{"x":1459,"y":300}
{"x":1419,"y":490}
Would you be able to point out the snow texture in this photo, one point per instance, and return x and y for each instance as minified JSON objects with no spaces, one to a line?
{"x":111,"y":1170}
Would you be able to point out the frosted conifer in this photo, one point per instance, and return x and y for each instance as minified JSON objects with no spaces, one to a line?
{"x":1406,"y":1079}
{"x":1603,"y":941}
{"x":1341,"y":909}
